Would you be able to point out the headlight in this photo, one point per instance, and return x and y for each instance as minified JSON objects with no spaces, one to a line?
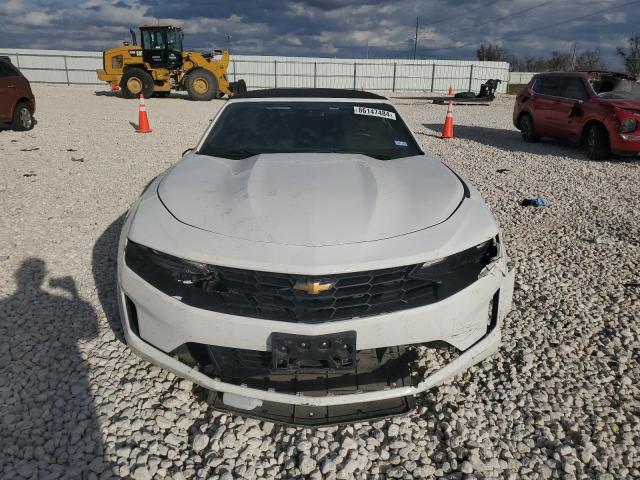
{"x":458,"y":271}
{"x":165,"y":272}
{"x":628,"y":125}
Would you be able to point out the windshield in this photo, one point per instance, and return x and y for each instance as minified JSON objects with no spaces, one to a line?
{"x":174,"y":40}
{"x":152,"y":39}
{"x":250,"y":128}
{"x":615,"y":88}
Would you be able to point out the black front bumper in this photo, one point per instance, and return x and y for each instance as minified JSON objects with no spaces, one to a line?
{"x":374,"y":370}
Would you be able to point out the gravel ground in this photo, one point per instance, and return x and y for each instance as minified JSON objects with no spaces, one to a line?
{"x":560,"y":400}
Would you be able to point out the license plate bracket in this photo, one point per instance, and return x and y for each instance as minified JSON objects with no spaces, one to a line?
{"x":336,"y":351}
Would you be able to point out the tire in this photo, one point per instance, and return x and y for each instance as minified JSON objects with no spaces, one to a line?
{"x":136,"y":81}
{"x":22,"y":117}
{"x":239,"y":87}
{"x":527,"y":130}
{"x":201,"y":84}
{"x":596,"y":142}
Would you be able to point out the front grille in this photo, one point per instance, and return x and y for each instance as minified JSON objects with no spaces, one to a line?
{"x":274,"y":296}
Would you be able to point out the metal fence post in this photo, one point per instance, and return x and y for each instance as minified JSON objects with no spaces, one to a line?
{"x":234,"y":70}
{"x":315,"y":71}
{"x":18,"y":60}
{"x":393,"y":87}
{"x":433,"y":76}
{"x":275,"y":74}
{"x":66,"y":70}
{"x":471,"y":78}
{"x":355,"y":69}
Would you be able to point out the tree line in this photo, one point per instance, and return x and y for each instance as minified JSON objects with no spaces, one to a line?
{"x":564,"y":61}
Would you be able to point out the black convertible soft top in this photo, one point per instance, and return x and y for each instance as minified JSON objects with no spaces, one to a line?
{"x":309,"y":93}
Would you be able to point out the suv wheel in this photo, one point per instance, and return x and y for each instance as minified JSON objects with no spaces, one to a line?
{"x":527,"y":129}
{"x":596,"y":142}
{"x":22,"y":117}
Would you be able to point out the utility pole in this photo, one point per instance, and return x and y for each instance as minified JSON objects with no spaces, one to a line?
{"x":415,"y":43}
{"x":573,"y":56}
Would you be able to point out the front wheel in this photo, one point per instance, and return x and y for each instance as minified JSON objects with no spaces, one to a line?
{"x":527,"y":130}
{"x":136,"y":81}
{"x":597,"y":143}
{"x":201,"y":84}
{"x":22,"y":118}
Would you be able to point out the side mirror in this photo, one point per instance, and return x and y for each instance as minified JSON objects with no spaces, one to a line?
{"x":576,"y":110}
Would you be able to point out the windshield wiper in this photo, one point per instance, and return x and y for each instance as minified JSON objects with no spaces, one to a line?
{"x":377,"y":156}
{"x":232,"y":154}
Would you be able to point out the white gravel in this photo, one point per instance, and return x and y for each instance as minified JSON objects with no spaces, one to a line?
{"x":560,"y":400}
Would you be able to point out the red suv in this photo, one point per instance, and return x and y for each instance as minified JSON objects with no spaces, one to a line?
{"x":597,"y":110}
{"x":17,"y":104}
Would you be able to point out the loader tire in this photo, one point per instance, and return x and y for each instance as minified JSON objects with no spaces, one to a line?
{"x":239,"y":87}
{"x":201,"y":84}
{"x":136,"y":81}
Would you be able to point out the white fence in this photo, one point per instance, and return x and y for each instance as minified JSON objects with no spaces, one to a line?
{"x":78,"y":68}
{"x":521,"y":78}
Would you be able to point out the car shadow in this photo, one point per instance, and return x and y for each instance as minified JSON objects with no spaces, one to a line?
{"x":50,"y":427}
{"x":510,"y":141}
{"x":6,"y":127}
{"x":115,"y":93}
{"x":104,"y":269}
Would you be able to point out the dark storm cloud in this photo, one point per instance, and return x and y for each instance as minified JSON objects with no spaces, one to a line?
{"x":342,"y":28}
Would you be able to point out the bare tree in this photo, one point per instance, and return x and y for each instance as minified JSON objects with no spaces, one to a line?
{"x":492,"y":53}
{"x":631,"y":58}
{"x":559,"y":61}
{"x":589,"y":60}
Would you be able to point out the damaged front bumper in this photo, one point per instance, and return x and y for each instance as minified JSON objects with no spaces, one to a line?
{"x":157,"y":327}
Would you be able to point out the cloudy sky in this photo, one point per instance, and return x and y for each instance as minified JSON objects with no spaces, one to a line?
{"x":450,"y":29}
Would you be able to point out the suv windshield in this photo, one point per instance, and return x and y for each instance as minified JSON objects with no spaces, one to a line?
{"x":245,"y":129}
{"x":615,"y":88}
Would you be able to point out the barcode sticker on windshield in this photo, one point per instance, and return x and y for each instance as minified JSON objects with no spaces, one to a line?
{"x":374,"y":112}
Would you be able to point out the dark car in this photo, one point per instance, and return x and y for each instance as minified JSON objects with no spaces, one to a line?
{"x":597,"y":110}
{"x":17,"y":103}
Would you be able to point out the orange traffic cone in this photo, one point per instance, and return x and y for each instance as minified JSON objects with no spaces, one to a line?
{"x":450,"y":89}
{"x":143,"y":120}
{"x":447,"y":131}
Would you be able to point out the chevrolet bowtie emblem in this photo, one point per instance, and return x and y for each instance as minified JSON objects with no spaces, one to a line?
{"x":312,"y":288}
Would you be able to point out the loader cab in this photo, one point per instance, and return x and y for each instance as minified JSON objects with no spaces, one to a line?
{"x":162,"y":46}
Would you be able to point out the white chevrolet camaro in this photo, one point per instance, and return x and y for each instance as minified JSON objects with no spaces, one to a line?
{"x":294,"y":260}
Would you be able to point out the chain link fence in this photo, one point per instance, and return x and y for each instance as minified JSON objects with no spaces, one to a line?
{"x":78,"y":68}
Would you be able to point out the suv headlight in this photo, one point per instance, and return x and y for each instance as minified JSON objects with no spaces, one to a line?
{"x":628,"y":125}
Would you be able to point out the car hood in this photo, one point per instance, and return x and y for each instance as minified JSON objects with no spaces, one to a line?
{"x":311,"y":199}
{"x":627,"y":104}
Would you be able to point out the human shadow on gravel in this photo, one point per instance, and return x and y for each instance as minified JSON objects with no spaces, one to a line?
{"x":104,"y":269}
{"x":49,"y":426}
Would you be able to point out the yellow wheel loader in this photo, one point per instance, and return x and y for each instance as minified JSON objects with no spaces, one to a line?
{"x":159,"y":65}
